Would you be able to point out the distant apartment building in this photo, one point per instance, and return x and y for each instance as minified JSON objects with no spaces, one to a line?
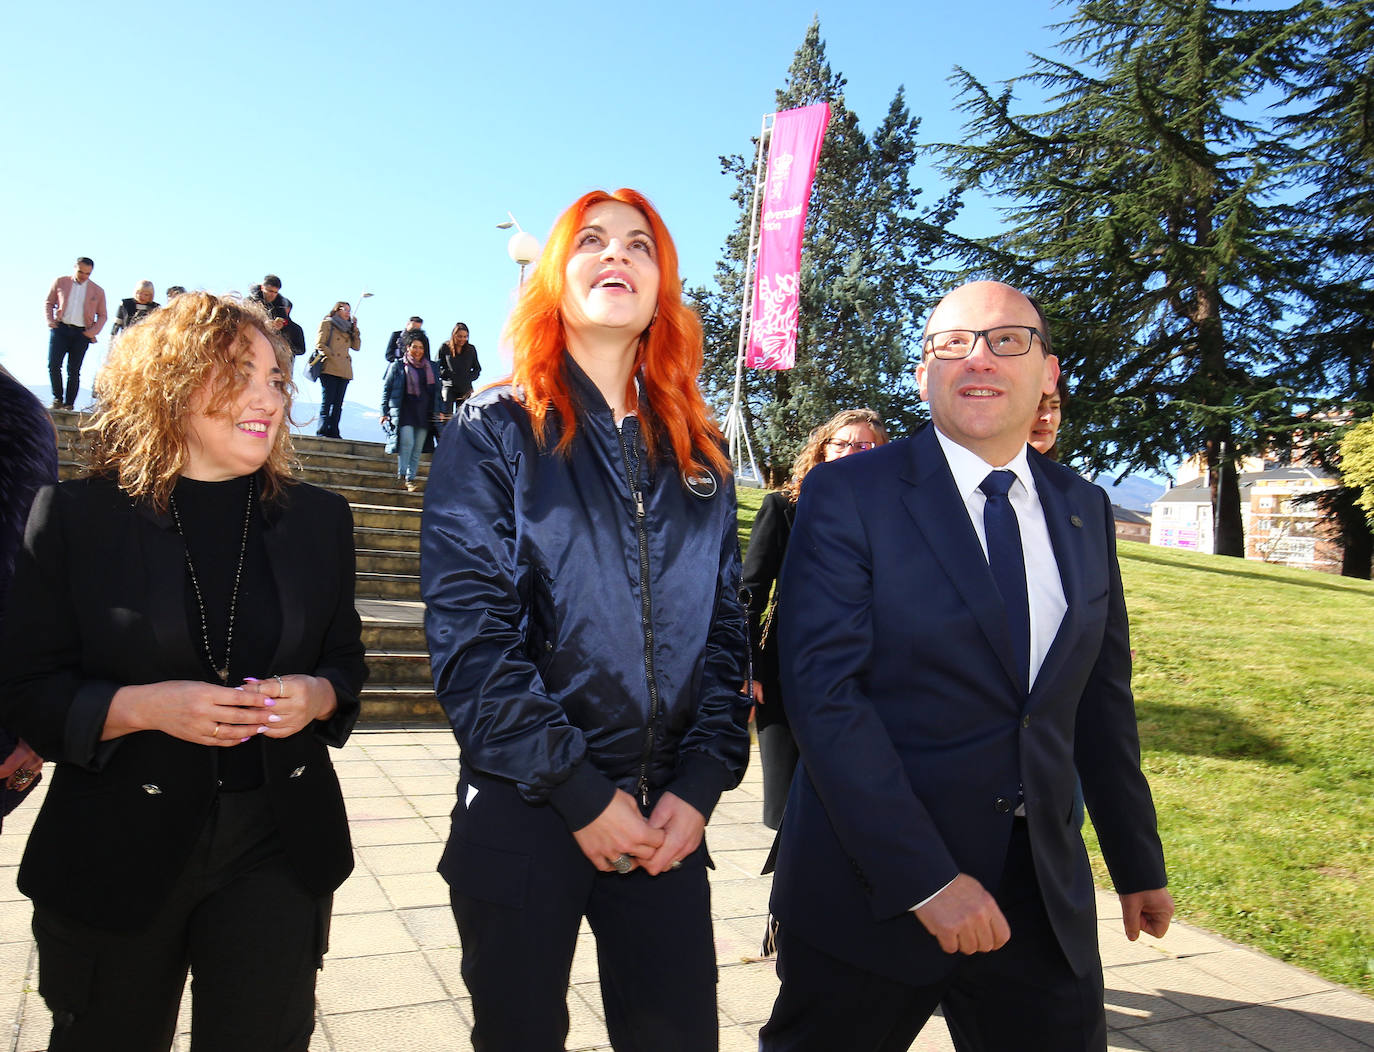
{"x":1279,"y":528}
{"x":1131,"y":525}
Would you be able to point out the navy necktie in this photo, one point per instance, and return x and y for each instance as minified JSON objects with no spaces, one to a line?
{"x":1008,"y":565}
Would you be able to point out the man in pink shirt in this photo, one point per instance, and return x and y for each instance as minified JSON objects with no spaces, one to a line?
{"x":75,"y":312}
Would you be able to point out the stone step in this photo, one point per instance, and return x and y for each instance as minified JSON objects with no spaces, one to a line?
{"x":387,"y":586}
{"x":384,"y":540}
{"x":408,"y":705}
{"x":331,"y":461}
{"x":350,"y":446}
{"x":399,"y":668}
{"x":383,"y":562}
{"x":341,"y":479}
{"x":385,"y":497}
{"x":380,"y":636}
{"x":386,"y":517}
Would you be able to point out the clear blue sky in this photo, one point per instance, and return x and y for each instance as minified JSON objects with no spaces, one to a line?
{"x":374,"y":146}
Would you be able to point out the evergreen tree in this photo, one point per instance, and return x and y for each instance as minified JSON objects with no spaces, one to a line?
{"x":864,"y":279}
{"x":1143,"y":218}
{"x":1330,"y":121}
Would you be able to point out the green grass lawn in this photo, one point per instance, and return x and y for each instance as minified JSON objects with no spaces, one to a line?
{"x":1255,"y":693}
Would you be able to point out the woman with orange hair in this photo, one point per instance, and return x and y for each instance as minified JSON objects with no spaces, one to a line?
{"x":580,"y":569}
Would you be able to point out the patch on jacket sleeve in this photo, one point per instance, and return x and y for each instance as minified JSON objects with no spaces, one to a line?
{"x":702,"y":483}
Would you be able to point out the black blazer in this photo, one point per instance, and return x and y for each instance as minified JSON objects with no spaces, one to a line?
{"x":914,"y":730}
{"x":762,"y":566}
{"x":97,"y":603}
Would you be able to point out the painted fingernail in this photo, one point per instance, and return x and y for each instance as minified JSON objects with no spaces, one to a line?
{"x":260,"y":730}
{"x":269,"y":701}
{"x":251,"y":679}
{"x":242,"y":740}
{"x":274,"y":718}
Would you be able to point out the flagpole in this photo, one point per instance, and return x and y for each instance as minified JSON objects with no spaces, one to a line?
{"x":734,"y":420}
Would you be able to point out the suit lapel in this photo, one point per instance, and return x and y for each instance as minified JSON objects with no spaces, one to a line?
{"x":934,"y":502}
{"x":1064,"y":521}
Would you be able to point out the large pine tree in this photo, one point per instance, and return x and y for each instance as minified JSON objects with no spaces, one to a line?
{"x":1142,"y":213}
{"x":1330,"y":122}
{"x":865,"y":281}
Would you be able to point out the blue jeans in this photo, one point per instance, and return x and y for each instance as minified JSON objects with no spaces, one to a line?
{"x":331,"y":404}
{"x":410,"y":442}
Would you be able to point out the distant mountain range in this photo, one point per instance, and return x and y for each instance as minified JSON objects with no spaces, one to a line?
{"x":1132,"y":492}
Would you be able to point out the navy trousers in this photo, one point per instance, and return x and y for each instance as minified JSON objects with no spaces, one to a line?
{"x":1021,"y":998}
{"x":69,"y":342}
{"x":520,"y":886}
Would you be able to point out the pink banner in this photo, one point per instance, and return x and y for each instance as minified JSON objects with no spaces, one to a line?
{"x":792,"y":154}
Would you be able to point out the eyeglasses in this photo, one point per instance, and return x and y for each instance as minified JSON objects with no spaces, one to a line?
{"x":839,"y":445}
{"x":1005,"y":341}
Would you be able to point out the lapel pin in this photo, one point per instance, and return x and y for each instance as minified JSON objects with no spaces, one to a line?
{"x":1074,"y":520}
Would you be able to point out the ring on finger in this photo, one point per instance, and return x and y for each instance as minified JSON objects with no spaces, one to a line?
{"x":215,"y":732}
{"x":622,"y":863}
{"x":281,"y":687}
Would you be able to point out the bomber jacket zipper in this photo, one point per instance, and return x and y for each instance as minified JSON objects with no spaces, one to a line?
{"x":630,"y":451}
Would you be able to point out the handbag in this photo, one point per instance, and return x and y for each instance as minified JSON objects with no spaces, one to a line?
{"x":315,"y":366}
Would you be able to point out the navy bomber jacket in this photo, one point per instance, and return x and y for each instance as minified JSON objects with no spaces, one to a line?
{"x":582,"y":610}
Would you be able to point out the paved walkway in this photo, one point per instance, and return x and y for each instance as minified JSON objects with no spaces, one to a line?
{"x":391,"y":982}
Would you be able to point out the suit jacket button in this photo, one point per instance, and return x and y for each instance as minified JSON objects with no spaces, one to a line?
{"x":152,"y":790}
{"x":1025,"y":721}
{"x":298,"y":771}
{"x":1003,"y":805}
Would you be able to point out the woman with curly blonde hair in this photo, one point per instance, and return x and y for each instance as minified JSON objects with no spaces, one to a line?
{"x":581,"y":573}
{"x":849,"y":431}
{"x":187,"y":649}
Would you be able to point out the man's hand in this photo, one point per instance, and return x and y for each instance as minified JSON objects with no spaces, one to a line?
{"x":619,"y":830}
{"x":1147,"y":911}
{"x":683,"y":827}
{"x":965,"y":918}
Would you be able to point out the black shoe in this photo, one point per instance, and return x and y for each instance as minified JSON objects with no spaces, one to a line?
{"x":57,"y":403}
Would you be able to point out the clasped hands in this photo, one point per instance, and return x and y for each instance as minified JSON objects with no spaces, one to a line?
{"x":672,"y":831}
{"x":208,"y":714}
{"x":964,"y":918}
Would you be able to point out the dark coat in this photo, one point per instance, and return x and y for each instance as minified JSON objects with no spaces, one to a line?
{"x":762,"y":566}
{"x":914,"y":731}
{"x":100,"y":582}
{"x":458,"y":371}
{"x":583,"y":640}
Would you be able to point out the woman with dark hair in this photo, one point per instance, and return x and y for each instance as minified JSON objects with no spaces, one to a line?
{"x":849,"y":431}
{"x":187,"y":650}
{"x":410,"y":401}
{"x":338,"y":336}
{"x":581,"y":572}
{"x":458,"y":368}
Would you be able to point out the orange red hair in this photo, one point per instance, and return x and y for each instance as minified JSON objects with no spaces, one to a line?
{"x":667,"y":361}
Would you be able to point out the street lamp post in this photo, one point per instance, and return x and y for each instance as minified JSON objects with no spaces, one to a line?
{"x":523,"y":247}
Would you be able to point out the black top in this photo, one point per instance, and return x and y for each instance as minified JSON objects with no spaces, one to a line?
{"x":211,"y":514}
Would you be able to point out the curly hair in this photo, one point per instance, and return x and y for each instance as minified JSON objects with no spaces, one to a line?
{"x":668,"y":359}
{"x":145,"y":390}
{"x":813,"y":452}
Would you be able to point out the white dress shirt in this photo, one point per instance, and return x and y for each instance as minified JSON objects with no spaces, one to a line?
{"x":74,"y":310}
{"x":1045,"y":589}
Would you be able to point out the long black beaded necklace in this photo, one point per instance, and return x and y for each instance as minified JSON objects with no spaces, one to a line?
{"x":221,"y":672}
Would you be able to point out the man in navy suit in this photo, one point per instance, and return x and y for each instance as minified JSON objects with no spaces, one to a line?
{"x":956,"y":657}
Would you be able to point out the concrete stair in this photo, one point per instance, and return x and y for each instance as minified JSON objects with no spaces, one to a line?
{"x":386,"y":535}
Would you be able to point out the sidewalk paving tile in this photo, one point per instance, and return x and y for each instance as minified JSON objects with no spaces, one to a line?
{"x":1340,"y":1009}
{"x":1279,"y":1028}
{"x":392,"y":981}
